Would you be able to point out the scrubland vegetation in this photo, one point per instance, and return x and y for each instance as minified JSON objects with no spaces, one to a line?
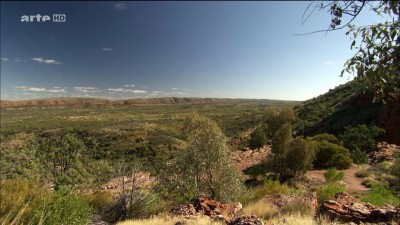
{"x":54,"y":161}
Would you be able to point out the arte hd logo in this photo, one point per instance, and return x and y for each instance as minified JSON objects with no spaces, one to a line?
{"x":56,"y":18}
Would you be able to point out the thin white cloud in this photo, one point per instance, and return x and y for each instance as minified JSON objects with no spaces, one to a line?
{"x":129,"y":85}
{"x":57,"y":90}
{"x":4,"y":59}
{"x":174,"y":88}
{"x":34,"y":89}
{"x":127,"y":90}
{"x":17,"y":60}
{"x":177,"y":93}
{"x":38,"y":89}
{"x":121,"y":6}
{"x":86,"y":89}
{"x":106,"y":49}
{"x":47,"y":61}
{"x":328,"y":62}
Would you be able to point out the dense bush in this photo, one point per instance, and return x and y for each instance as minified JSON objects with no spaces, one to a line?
{"x":333,"y":175}
{"x":332,"y":155}
{"x":257,"y":138}
{"x":361,"y":137}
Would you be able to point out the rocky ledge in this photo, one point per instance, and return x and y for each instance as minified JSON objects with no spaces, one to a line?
{"x":345,"y":208}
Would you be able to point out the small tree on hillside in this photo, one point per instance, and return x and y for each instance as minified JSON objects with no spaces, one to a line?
{"x":60,"y":157}
{"x":205,"y":166}
{"x":291,"y":157}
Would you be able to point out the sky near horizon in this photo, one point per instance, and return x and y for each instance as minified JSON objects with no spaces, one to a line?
{"x":122,"y":50}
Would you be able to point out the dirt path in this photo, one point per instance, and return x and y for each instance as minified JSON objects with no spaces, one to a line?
{"x":353,"y":183}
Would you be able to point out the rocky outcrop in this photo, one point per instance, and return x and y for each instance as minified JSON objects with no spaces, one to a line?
{"x":345,"y":208}
{"x":211,"y":208}
{"x":383,"y":152}
{"x":285,"y":202}
{"x":247,"y":220}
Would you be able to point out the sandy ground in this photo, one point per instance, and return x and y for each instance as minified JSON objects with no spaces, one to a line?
{"x":353,"y":183}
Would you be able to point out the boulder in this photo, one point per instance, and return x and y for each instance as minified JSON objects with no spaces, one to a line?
{"x":247,"y":220}
{"x":211,"y":208}
{"x":345,"y":208}
{"x":383,"y":152}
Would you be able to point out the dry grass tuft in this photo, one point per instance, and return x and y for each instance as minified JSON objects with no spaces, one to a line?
{"x":261,"y":209}
{"x":170,"y":221}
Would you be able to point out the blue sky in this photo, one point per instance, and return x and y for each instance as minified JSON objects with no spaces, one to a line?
{"x":122,"y":50}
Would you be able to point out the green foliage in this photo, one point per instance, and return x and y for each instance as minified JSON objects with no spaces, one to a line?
{"x":66,"y":207}
{"x":326,"y":137}
{"x":332,"y":155}
{"x":361,"y":137}
{"x":257,"y":139}
{"x":376,"y":62}
{"x":381,"y":195}
{"x":17,"y":157}
{"x":269,"y":187}
{"x":359,"y":140}
{"x":328,"y":192}
{"x":332,"y":175}
{"x":24,"y":202}
{"x":336,"y":109}
{"x":291,"y":157}
{"x":358,"y":156}
{"x":205,"y":167}
{"x":60,"y":158}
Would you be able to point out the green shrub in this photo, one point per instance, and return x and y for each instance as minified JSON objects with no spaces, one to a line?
{"x":332,"y":155}
{"x":328,"y":192}
{"x":381,"y":195}
{"x":269,"y":187}
{"x":360,"y":140}
{"x":257,"y":139}
{"x":361,"y":137}
{"x":358,"y":156}
{"x":333,"y":175}
{"x":66,"y":207}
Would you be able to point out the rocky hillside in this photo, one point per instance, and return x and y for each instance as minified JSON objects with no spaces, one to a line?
{"x":135,"y":101}
{"x":346,"y":105}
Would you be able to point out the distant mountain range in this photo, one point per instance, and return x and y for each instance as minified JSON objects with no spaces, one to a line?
{"x":135,"y":101}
